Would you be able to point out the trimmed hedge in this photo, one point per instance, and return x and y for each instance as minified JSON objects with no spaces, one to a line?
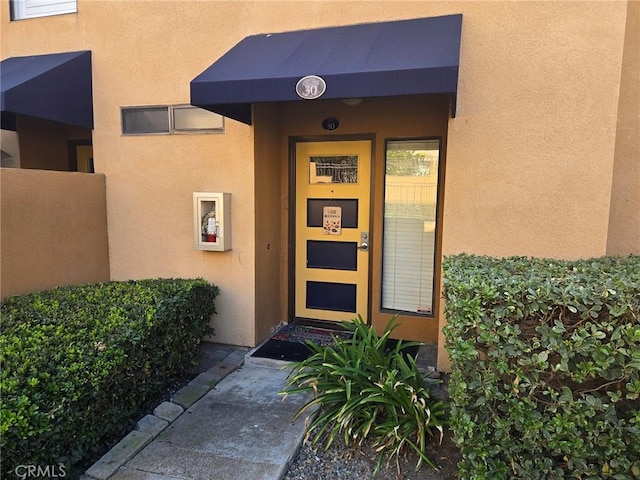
{"x":545,"y":354}
{"x":80,"y":363}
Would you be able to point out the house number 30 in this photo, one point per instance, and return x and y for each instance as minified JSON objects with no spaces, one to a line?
{"x":310,"y":87}
{"x":330,"y":124}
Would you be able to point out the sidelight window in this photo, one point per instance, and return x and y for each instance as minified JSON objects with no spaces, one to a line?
{"x":409,"y":241}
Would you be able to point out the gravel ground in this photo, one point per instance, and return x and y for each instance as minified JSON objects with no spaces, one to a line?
{"x":339,"y":462}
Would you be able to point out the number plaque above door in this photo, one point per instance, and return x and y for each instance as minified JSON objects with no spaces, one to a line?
{"x":310,"y":87}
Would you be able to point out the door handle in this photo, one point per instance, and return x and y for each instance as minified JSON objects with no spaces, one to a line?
{"x":364,"y":247}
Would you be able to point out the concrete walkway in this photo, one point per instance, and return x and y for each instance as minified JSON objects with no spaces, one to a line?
{"x":241,"y":429}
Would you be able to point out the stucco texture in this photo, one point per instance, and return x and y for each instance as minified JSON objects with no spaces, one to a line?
{"x":54,"y":230}
{"x":529,"y":161}
{"x":525,"y":155}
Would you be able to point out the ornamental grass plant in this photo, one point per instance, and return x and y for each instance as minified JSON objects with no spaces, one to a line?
{"x":370,"y":393}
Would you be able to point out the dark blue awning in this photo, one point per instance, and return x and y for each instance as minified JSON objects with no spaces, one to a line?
{"x":54,"y":87}
{"x":405,"y":57}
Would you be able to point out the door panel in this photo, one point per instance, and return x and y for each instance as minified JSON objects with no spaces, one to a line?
{"x":332,"y":212}
{"x":332,"y":255}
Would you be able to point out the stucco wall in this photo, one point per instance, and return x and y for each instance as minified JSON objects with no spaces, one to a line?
{"x":624,"y":220}
{"x":53,"y":230}
{"x":271,"y":244}
{"x":145,"y":53}
{"x":530,"y":155}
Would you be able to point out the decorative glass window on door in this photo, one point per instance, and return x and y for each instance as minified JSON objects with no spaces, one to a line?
{"x":333,"y":169}
{"x":410,"y":205}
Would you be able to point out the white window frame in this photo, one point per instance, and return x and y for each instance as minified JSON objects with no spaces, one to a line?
{"x":24,"y":9}
{"x":217,"y":124}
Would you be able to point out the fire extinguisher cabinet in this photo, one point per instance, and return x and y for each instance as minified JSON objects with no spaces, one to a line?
{"x":212,"y":221}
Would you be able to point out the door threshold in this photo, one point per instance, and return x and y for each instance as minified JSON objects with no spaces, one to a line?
{"x":324,"y":324}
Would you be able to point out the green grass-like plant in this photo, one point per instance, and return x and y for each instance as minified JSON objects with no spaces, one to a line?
{"x":366,"y":390}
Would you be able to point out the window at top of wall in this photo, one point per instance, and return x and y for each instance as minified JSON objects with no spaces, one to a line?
{"x":179,"y":119}
{"x":187,"y":118}
{"x":23,"y":9}
{"x":145,"y":120}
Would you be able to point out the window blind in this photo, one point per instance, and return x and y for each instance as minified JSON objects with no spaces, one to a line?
{"x":408,"y":258}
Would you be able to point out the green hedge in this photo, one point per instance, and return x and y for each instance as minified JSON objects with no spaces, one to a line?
{"x":545,"y":354}
{"x":80,"y":363}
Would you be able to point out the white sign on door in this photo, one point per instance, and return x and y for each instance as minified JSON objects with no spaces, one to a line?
{"x":332,"y":220}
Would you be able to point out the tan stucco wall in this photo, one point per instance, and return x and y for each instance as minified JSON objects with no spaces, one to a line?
{"x":624,"y":220}
{"x":270,"y":225}
{"x":530,"y":157}
{"x":146,"y":53}
{"x":53,"y":230}
{"x":529,"y":168}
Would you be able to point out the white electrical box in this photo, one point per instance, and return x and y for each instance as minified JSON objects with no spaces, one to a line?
{"x":212,"y":221}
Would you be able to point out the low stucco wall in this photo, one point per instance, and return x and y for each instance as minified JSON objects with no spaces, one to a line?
{"x":53,"y":230}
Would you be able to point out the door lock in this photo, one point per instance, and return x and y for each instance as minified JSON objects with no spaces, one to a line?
{"x":364,"y":241}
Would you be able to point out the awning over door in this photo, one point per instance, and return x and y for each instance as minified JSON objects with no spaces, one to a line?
{"x":54,"y":87}
{"x":406,"y":57}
